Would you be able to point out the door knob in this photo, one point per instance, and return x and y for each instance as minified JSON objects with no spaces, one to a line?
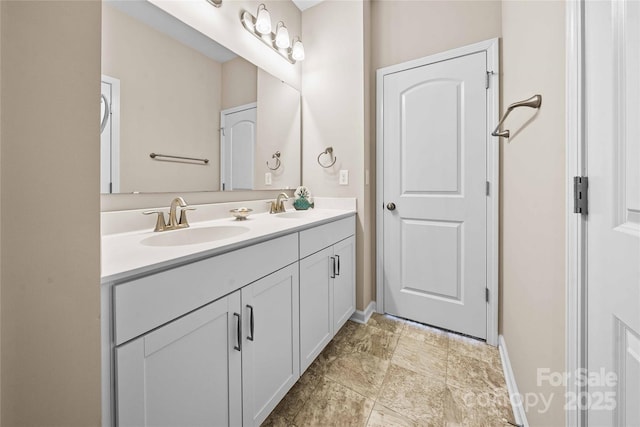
{"x":391,"y":206}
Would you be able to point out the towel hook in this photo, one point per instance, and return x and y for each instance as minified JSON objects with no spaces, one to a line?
{"x":534,"y":102}
{"x":276,"y":156}
{"x":328,"y":151}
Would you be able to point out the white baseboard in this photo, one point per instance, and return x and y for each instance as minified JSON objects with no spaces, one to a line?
{"x":363,"y":316}
{"x":514,"y":395}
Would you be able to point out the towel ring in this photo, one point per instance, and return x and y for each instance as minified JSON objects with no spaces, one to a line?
{"x":328,"y":151}
{"x":276,"y":156}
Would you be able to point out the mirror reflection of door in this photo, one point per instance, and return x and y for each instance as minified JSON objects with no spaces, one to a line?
{"x":109,"y":135}
{"x":237,"y":145}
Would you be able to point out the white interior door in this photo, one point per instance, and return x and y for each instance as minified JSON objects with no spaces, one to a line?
{"x":238,"y":146}
{"x":434,"y":191}
{"x":612,"y":62}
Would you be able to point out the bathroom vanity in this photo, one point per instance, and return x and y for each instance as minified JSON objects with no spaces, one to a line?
{"x":216,"y":332}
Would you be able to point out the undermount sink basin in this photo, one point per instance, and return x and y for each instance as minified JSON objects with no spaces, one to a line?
{"x":297,"y":214}
{"x":194,"y":236}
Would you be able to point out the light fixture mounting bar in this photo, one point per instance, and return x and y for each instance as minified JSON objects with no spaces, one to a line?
{"x":249,"y":23}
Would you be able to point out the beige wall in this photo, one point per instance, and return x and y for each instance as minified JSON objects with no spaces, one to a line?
{"x":50,"y":213}
{"x":240,"y":86}
{"x":277,"y":100}
{"x":169,"y":103}
{"x":333,"y":111}
{"x":533,"y":199}
{"x":409,"y":29}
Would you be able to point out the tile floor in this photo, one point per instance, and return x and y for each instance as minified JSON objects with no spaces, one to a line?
{"x":393,"y":372}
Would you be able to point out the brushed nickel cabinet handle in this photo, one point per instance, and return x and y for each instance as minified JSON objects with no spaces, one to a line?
{"x":238,"y":333}
{"x":250,"y":337}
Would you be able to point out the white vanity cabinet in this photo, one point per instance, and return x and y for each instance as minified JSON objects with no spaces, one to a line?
{"x":327,"y":285}
{"x":221,"y":340}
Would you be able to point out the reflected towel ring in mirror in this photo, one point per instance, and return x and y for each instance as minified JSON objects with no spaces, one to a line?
{"x":105,"y":115}
{"x":328,"y":151}
{"x":276,"y":156}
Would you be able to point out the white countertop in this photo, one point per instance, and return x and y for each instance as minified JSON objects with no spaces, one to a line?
{"x":125,"y":257}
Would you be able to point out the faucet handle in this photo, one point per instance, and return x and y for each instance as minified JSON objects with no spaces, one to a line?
{"x":160,"y":223}
{"x":183,"y":217}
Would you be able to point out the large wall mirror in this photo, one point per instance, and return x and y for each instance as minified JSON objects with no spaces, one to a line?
{"x":182,"y":113}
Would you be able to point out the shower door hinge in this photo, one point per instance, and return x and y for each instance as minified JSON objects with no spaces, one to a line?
{"x":486,"y":294}
{"x":488,"y":188}
{"x":580,"y":195}
{"x":489,"y":74}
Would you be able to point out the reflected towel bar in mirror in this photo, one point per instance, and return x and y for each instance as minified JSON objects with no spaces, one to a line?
{"x":534,"y":102}
{"x":166,"y":156}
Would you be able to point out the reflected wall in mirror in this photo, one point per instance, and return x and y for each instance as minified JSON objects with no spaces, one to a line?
{"x":168,"y":89}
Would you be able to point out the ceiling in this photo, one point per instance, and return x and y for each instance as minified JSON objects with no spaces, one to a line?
{"x":306,"y":4}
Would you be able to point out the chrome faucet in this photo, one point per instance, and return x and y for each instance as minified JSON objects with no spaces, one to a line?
{"x":174,"y":223}
{"x":278,"y":205}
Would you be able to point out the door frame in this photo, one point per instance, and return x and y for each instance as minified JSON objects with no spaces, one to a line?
{"x":576,"y":233}
{"x":491,"y":47}
{"x":223,"y":114}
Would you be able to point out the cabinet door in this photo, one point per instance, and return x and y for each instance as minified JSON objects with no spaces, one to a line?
{"x":184,"y":373}
{"x":270,"y":350}
{"x":316,"y":305}
{"x":344,"y":284}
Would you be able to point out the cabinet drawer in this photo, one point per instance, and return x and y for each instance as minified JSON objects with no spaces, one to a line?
{"x":323,"y":236}
{"x":146,"y":303}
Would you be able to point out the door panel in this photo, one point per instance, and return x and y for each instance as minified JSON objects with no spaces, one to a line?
{"x":270,"y":355}
{"x":612,"y":62}
{"x":316,"y":305}
{"x":344,"y":290}
{"x":435,"y":152}
{"x":435,"y":270}
{"x":184,"y":373}
{"x":430,"y":137}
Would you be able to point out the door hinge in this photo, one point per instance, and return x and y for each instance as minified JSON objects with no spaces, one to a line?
{"x":488,"y":188}
{"x":111,"y":188}
{"x":581,"y":195}
{"x":486,"y":294}
{"x":488,"y":81}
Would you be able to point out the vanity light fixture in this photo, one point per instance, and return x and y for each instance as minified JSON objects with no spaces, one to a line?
{"x":282,"y":36}
{"x":263,"y":20}
{"x":297,"y":52}
{"x":260,"y":27}
{"x":215,"y":3}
